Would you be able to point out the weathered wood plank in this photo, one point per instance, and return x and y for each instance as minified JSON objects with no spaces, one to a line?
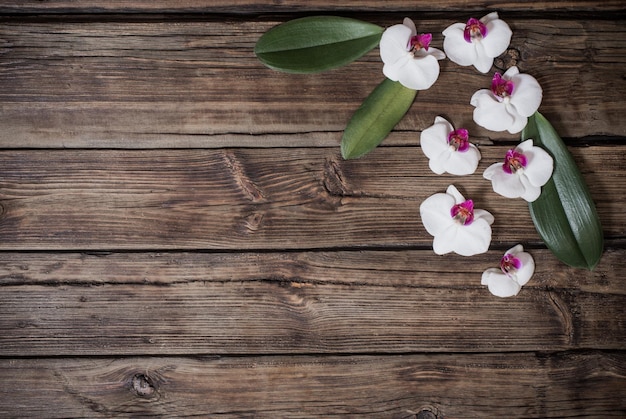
{"x":250,"y":6}
{"x":255,"y":198}
{"x":299,"y":302}
{"x":406,"y":268}
{"x":198,"y":84}
{"x":586,"y":384}
{"x":275,"y":317}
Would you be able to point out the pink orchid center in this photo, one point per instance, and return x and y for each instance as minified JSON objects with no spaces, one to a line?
{"x":418,"y":42}
{"x":475,"y":30}
{"x":514,"y":161}
{"x":459,"y":140}
{"x":501,"y":87}
{"x":463,"y":213}
{"x":510,"y":264}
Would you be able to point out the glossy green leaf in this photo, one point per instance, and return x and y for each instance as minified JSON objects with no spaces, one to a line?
{"x":316,"y":43}
{"x":564,"y":215}
{"x":375,"y":118}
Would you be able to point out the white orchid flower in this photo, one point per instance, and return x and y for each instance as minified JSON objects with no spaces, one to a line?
{"x":455,"y":224}
{"x":516,"y":269}
{"x":408,"y":57}
{"x":522,"y":174}
{"x":513,"y":97}
{"x":477,"y":42}
{"x":449,"y":150}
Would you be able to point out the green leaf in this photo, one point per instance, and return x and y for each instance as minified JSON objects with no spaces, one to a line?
{"x":564,"y":215}
{"x":316,"y":43}
{"x":375,"y":118}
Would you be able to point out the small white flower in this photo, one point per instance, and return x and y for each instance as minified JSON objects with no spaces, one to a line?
{"x":522,"y":174}
{"x":455,"y":224}
{"x":516,"y":269}
{"x":449,"y":150}
{"x":513,"y":97}
{"x":408,"y":57}
{"x":477,"y":42}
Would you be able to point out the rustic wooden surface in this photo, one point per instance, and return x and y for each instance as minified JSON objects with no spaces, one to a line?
{"x":179,"y":235}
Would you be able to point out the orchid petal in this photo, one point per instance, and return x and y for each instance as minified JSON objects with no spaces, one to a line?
{"x":473,"y":239}
{"x":519,"y":121}
{"x":505,"y":184}
{"x":489,"y":113}
{"x":456,"y":47}
{"x":539,"y":167}
{"x":483,"y":61}
{"x":437,"y":53}
{"x":465,"y":241}
{"x":446,"y":240}
{"x":419,"y":73}
{"x":531,"y":192}
{"x":499,"y":284}
{"x":525,"y":146}
{"x":394,"y":70}
{"x":454,"y":192}
{"x":498,"y":38}
{"x":489,"y":17}
{"x":435,"y":213}
{"x":439,"y":163}
{"x":462,"y":163}
{"x":527,"y":95}
{"x":488,"y":274}
{"x":512,"y":71}
{"x":410,"y":24}
{"x":433,"y":139}
{"x":393,"y":43}
{"x":484,"y":215}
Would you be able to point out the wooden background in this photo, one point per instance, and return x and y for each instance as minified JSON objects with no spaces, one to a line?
{"x":179,"y":235}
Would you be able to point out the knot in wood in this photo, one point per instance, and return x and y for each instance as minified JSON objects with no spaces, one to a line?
{"x":143,"y":386}
{"x":425,"y":412}
{"x":508,"y":59}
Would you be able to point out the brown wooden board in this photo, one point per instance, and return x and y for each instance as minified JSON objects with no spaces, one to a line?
{"x":180,"y":237}
{"x":387,"y":268}
{"x":187,"y":84}
{"x":195,"y":305}
{"x":251,"y":6}
{"x":256,"y":198}
{"x":578,"y":384}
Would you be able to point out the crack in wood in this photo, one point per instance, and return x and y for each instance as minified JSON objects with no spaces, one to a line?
{"x":566,"y":316}
{"x":91,"y":404}
{"x":250,"y":189}
{"x":334,"y":179}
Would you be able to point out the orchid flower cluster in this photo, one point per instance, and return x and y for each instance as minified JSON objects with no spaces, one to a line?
{"x":512,"y":97}
{"x":510,"y":103}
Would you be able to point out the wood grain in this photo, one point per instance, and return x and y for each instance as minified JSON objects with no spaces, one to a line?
{"x":187,"y":84}
{"x":578,"y":384}
{"x":179,"y":236}
{"x":311,"y":302}
{"x":383,"y":268}
{"x":251,"y":6}
{"x":275,"y":317}
{"x":255,"y":198}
